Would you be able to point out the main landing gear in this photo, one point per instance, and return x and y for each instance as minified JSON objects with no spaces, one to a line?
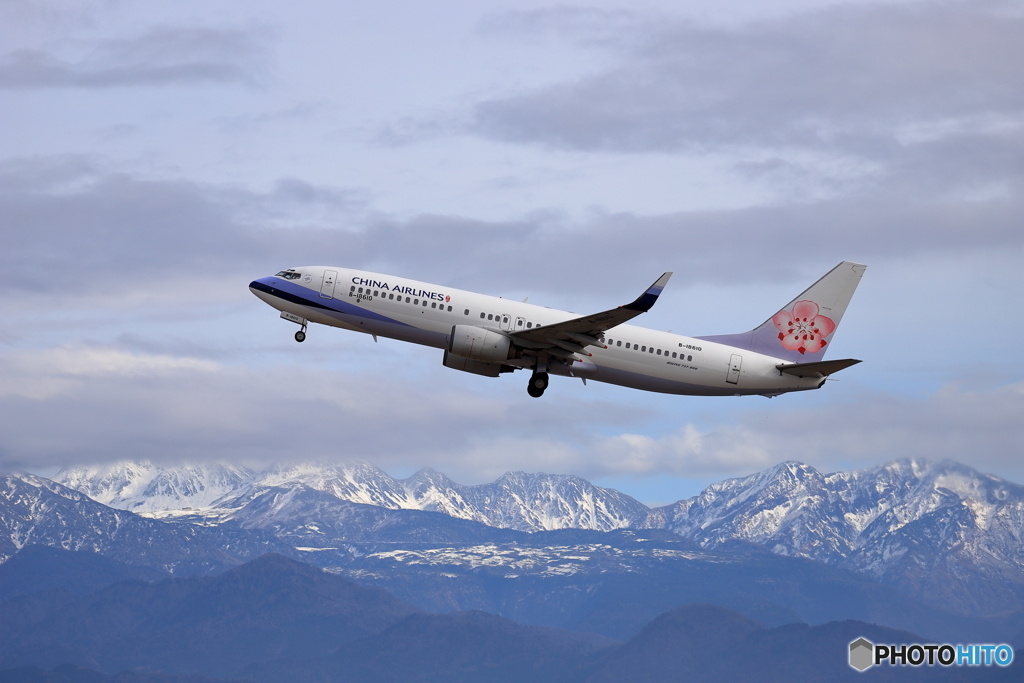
{"x":300,"y":336}
{"x":538,"y":383}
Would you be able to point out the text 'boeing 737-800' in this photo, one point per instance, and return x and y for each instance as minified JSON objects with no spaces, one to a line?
{"x":488,"y":335}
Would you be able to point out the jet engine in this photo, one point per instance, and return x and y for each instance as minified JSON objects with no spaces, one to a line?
{"x":477,"y":343}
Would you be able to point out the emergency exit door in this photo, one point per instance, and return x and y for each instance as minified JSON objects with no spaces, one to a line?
{"x":327,"y":288}
{"x":735,"y":365}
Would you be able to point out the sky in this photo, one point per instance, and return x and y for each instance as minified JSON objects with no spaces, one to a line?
{"x":157,"y":157}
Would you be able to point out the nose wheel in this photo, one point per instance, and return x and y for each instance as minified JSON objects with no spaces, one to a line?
{"x":300,"y":336}
{"x":538,"y":383}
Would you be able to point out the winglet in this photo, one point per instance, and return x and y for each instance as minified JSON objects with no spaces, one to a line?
{"x":647,"y":299}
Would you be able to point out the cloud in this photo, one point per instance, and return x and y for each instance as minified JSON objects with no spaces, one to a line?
{"x":843,"y":78}
{"x":69,"y":214}
{"x":120,"y":233}
{"x":164,"y":55}
{"x":979,"y":428}
{"x":113,"y":403}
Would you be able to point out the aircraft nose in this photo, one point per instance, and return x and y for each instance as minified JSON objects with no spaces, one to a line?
{"x":261,"y":285}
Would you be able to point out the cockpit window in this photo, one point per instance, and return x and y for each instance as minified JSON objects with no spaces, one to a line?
{"x":289,"y":274}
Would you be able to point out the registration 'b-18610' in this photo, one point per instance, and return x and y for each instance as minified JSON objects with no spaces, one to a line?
{"x":489,"y":336}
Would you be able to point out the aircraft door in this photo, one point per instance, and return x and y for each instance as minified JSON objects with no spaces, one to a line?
{"x":506,"y":322}
{"x":520,"y":324}
{"x":735,"y":365}
{"x":327,"y":288}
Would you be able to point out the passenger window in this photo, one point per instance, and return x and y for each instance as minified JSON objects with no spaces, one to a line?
{"x":659,"y":352}
{"x":450,"y":309}
{"x":627,"y":345}
{"x":352,"y":289}
{"x":433,"y":304}
{"x":673,"y":354}
{"x":467,"y":312}
{"x":618,"y":343}
{"x":519,"y":322}
{"x":689,"y":358}
{"x":360,"y":290}
{"x":505,"y":319}
{"x":529,"y":324}
{"x":391,"y":296}
{"x":643,"y":348}
{"x":482,"y":315}
{"x":415,"y":302}
{"x":424,"y":303}
{"x":406,"y":299}
{"x":376,"y":292}
{"x":490,"y":316}
{"x":652,"y":350}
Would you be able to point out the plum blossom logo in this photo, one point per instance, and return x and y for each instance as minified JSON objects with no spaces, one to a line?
{"x":803,"y":329}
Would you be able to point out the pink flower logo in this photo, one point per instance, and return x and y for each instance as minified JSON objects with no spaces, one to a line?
{"x":802,"y":329}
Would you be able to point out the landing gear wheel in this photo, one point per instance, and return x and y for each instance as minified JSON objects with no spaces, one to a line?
{"x":300,"y":336}
{"x":538,"y":383}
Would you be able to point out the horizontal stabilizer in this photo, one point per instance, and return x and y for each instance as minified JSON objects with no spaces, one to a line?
{"x":822,"y":368}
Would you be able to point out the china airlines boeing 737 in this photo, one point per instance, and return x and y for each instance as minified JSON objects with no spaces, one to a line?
{"x":488,"y":335}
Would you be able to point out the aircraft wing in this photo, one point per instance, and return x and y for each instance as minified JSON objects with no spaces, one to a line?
{"x":572,"y":336}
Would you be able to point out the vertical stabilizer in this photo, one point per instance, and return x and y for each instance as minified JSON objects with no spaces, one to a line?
{"x":802,"y":329}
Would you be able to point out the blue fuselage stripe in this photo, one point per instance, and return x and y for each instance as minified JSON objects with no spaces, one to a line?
{"x":297,"y":294}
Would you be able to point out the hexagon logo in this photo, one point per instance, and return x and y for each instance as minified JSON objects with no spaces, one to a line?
{"x":862,"y":654}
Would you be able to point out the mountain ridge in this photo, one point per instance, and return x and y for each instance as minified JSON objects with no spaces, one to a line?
{"x":941,"y":530}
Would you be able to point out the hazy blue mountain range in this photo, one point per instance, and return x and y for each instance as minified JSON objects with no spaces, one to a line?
{"x":274,"y":619}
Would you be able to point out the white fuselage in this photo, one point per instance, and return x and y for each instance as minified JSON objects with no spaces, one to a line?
{"x":423,"y":313}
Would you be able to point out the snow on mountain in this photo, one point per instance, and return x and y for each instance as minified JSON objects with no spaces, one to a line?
{"x":145,"y":487}
{"x":517,"y":500}
{"x":354,"y":481}
{"x":535,"y":502}
{"x":34,"y":510}
{"x":940,"y":529}
{"x":795,"y":510}
{"x":911,"y":523}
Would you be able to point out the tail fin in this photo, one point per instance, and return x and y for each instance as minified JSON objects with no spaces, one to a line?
{"x":803,"y":328}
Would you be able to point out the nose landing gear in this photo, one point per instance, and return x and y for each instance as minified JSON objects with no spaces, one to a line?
{"x":538,"y":383}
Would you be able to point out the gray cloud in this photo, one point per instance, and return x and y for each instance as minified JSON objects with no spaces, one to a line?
{"x":979,"y":428}
{"x":844,"y":78}
{"x":115,"y":403}
{"x":164,"y":55}
{"x":70,"y":215}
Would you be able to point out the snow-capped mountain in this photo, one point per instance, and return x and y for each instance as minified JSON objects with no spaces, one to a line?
{"x":792,"y":509}
{"x":517,"y":500}
{"x":145,"y":487}
{"x":942,"y":531}
{"x":911,"y":523}
{"x":535,"y":502}
{"x":34,"y":510}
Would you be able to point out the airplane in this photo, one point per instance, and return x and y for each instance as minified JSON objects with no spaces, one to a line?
{"x":491,"y":336}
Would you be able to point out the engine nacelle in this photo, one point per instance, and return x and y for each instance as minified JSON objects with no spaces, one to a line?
{"x":477,"y":343}
{"x":477,"y":367}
